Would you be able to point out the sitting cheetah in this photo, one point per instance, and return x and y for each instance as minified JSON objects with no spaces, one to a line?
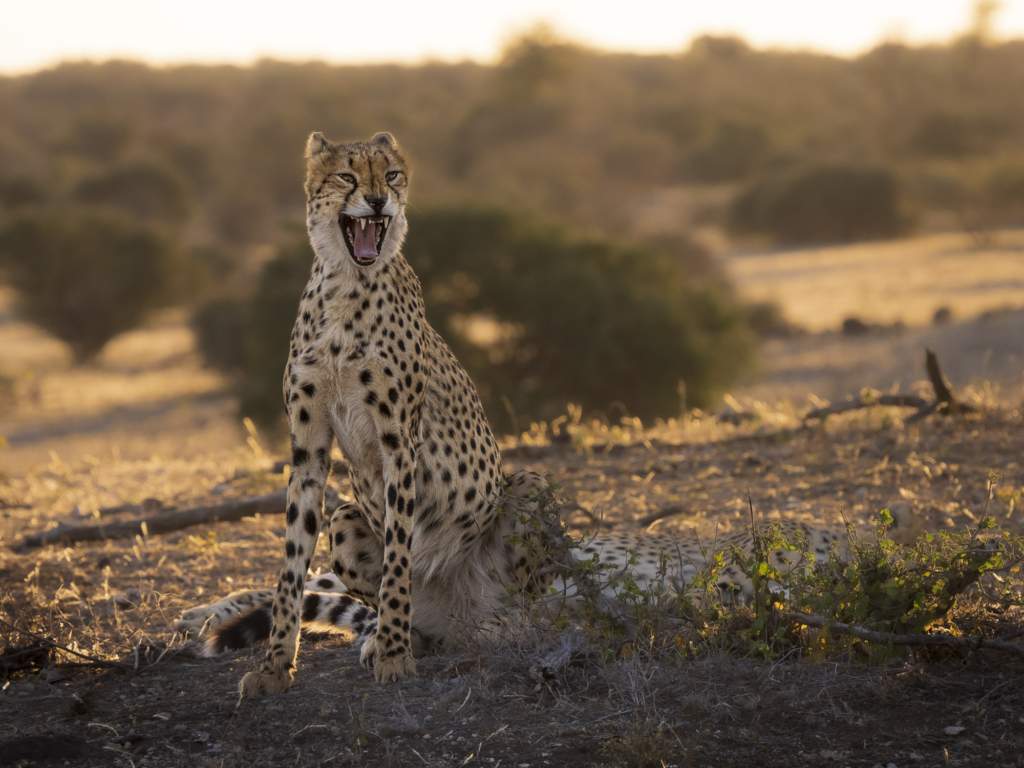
{"x":367,"y":369}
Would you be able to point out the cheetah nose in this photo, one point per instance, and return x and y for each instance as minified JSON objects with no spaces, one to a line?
{"x":376,"y":202}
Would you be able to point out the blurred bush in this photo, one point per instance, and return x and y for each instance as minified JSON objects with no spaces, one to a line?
{"x":767,"y":321}
{"x":821,"y":205}
{"x":540,"y":318}
{"x":946,"y":135}
{"x":144,"y":190}
{"x":543,"y":318}
{"x":84,"y":275}
{"x":552,"y":128}
{"x":219,"y":326}
{"x":250,"y":337}
{"x":734,"y":153}
{"x":19,"y":193}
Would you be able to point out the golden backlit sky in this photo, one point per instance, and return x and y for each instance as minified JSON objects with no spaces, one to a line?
{"x":36,"y":34}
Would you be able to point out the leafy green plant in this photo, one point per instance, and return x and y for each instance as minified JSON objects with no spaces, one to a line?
{"x":887,"y":587}
{"x":875,"y":585}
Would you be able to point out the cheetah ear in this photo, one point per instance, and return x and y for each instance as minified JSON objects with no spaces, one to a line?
{"x":385,"y":139}
{"x":317,"y":145}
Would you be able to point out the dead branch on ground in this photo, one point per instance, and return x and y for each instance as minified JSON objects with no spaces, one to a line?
{"x":944,"y":402}
{"x":949,"y":641}
{"x":670,"y":511}
{"x":271,"y":504}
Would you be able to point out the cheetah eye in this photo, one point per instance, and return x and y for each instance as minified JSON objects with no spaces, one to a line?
{"x":392,"y":175}
{"x":346,"y":177}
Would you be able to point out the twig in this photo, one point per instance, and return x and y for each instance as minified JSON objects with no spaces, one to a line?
{"x":967,"y":643}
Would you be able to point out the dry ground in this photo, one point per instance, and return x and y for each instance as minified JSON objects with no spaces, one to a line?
{"x":108,"y":599}
{"x":146,"y":423}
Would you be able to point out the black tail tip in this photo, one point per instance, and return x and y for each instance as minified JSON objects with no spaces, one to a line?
{"x":243,"y":632}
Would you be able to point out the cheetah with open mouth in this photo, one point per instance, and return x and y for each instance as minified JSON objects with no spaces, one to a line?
{"x":366,"y":369}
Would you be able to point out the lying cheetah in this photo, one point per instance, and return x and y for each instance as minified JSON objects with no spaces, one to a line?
{"x":367,"y":369}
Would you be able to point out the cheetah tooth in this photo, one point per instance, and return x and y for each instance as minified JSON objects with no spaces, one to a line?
{"x":362,"y":223}
{"x":387,"y":221}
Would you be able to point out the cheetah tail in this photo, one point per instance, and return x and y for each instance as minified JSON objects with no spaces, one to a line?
{"x":323,"y":611}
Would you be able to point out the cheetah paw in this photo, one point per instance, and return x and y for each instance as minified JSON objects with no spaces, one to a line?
{"x":395,"y":669}
{"x":386,"y":669}
{"x":256,"y":683}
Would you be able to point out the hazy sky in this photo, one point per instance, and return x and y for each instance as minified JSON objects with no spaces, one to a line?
{"x":37,"y":34}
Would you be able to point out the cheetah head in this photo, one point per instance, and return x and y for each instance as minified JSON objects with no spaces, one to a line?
{"x":356,"y":196}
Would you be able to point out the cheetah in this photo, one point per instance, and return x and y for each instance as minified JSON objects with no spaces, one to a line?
{"x":366,"y":369}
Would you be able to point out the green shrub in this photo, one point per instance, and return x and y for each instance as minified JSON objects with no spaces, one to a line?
{"x":251,"y":337}
{"x":541,"y":318}
{"x":821,"y":205}
{"x":84,"y":276}
{"x":538,"y":318}
{"x":735,"y":152}
{"x":220,"y":327}
{"x":268,"y":329}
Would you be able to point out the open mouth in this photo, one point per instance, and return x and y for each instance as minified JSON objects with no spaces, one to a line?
{"x":364,"y":236}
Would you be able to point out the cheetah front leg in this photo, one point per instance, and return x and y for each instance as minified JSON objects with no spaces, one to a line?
{"x":389,"y":653}
{"x":311,"y":465}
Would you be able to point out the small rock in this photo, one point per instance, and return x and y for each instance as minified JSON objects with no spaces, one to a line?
{"x":953,"y":730}
{"x":201,"y":736}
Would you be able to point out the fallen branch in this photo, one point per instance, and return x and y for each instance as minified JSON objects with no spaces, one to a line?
{"x":670,"y":511}
{"x":271,"y":504}
{"x":967,"y":643}
{"x":897,"y":401}
{"x":945,"y":401}
{"x":156,"y":524}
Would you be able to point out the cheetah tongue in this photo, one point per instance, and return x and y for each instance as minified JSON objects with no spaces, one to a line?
{"x":364,"y":240}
